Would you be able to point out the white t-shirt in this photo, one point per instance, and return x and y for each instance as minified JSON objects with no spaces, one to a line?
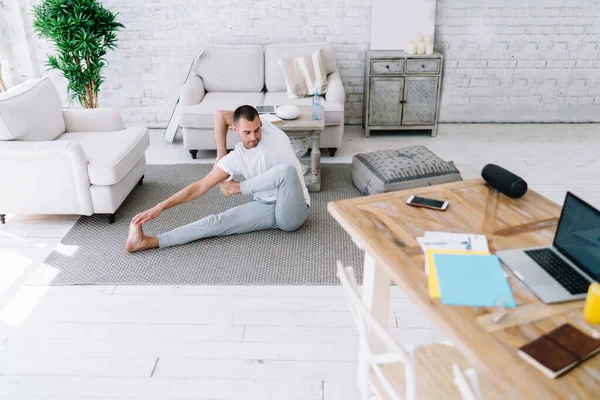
{"x":274,"y":148}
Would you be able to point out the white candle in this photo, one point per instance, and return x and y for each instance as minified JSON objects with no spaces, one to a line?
{"x":411,"y":48}
{"x":419,"y":38}
{"x":421,"y":48}
{"x":429,"y":39}
{"x":429,"y":49}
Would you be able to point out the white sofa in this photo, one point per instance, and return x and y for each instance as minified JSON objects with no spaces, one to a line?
{"x":228,"y":76}
{"x":71,"y":161}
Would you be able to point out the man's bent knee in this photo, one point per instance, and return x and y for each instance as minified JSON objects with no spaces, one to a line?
{"x":286,"y":169}
{"x":287,"y":227}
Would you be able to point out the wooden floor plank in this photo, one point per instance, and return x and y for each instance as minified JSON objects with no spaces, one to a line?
{"x":333,"y":334}
{"x":336,"y":390}
{"x":158,"y":388}
{"x":129,"y":316}
{"x":180,"y":348}
{"x":254,"y":291}
{"x":227,"y":303}
{"x":75,"y":365}
{"x":255,"y":369}
{"x":131,"y":331}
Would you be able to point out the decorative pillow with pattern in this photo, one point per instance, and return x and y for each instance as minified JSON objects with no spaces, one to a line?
{"x":305,"y":75}
{"x":391,"y":170}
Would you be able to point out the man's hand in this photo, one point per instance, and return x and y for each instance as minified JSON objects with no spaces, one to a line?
{"x":229,"y":188}
{"x":146,"y":216}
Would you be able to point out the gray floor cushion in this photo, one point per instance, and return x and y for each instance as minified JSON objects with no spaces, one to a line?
{"x":390,"y":170}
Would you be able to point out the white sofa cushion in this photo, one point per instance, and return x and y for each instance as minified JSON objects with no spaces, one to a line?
{"x":31,"y":112}
{"x":202,"y":115}
{"x":274,"y":79}
{"x":334,"y":112}
{"x":232,"y":68}
{"x":111,"y":155}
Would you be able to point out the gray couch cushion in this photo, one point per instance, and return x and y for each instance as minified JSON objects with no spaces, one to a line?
{"x":232,"y":68}
{"x":274,"y":78}
{"x":202,"y":115}
{"x":390,"y":170}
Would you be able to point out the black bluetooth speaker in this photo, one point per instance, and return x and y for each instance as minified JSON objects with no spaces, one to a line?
{"x":504,"y":181}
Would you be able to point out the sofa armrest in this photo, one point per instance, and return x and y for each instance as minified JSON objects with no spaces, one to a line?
{"x":192,"y":91}
{"x":93,"y":120}
{"x":45,"y":178}
{"x":335,"y":89}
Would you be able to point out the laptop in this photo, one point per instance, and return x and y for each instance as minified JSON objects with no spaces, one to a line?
{"x":563,"y":271}
{"x":266,"y":109}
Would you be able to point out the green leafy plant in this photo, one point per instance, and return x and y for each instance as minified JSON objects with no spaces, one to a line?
{"x":82,"y":32}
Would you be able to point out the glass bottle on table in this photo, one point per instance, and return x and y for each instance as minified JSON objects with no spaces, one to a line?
{"x":316,"y":106}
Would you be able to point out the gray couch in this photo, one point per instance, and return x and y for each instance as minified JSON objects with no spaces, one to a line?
{"x":228,"y":76}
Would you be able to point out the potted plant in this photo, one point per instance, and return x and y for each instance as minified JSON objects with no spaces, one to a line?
{"x":82,"y":31}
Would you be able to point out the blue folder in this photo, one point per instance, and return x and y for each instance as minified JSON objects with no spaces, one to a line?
{"x":473,"y":280}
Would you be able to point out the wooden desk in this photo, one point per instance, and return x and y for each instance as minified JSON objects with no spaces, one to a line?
{"x":385,"y":228}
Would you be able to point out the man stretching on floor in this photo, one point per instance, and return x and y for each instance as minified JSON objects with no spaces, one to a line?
{"x":273,"y":175}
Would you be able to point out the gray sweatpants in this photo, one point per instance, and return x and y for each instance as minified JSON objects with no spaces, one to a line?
{"x":288,"y":213}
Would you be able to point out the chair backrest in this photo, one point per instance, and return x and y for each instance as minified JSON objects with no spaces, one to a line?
{"x":367,"y":324}
{"x":466,"y":382}
{"x":31,"y":111}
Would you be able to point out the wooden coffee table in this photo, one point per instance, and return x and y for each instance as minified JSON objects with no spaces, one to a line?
{"x":304,"y":126}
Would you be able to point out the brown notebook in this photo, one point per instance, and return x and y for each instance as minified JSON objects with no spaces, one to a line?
{"x":559,"y":350}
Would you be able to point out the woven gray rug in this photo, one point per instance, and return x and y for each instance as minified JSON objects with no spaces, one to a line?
{"x":269,"y":257}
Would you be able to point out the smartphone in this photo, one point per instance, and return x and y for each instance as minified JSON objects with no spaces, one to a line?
{"x":427,"y":203}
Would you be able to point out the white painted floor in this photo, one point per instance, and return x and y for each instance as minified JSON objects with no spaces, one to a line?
{"x":202,"y":342}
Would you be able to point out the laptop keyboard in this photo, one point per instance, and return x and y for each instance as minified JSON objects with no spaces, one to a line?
{"x":559,"y":270}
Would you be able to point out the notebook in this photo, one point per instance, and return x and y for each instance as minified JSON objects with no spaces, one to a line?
{"x":559,"y":350}
{"x":272,"y":119}
{"x":432,"y":279}
{"x":472,"y":280}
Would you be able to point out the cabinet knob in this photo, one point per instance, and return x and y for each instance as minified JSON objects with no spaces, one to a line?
{"x":387,"y":66}
{"x":422,"y":65}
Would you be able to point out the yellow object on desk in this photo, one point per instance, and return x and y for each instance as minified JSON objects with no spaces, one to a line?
{"x":591,"y":310}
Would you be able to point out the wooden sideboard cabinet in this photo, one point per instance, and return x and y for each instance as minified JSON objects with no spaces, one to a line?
{"x":402,"y":91}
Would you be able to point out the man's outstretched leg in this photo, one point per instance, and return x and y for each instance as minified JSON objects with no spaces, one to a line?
{"x":137,"y":241}
{"x":291,"y":209}
{"x":249,"y":217}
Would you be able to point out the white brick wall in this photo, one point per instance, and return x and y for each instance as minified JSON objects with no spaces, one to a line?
{"x":505,"y":61}
{"x":162,"y":38}
{"x":519,"y":61}
{"x":13,"y":43}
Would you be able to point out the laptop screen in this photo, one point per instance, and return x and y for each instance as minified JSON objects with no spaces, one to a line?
{"x":578,"y":234}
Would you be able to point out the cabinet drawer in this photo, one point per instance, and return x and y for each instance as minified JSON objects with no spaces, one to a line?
{"x":383,"y":67}
{"x":423,"y":66}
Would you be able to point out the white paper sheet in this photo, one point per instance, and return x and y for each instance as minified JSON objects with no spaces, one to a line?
{"x":451,"y":241}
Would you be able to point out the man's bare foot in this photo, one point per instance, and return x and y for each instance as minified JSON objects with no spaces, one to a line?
{"x":136,"y":240}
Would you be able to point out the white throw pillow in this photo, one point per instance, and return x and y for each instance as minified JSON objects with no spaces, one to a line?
{"x":31,"y":111}
{"x":305,"y":75}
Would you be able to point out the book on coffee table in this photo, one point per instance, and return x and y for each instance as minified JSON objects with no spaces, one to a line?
{"x":275,"y":120}
{"x":559,"y":350}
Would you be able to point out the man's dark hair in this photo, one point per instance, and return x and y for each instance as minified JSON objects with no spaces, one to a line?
{"x":247,"y":112}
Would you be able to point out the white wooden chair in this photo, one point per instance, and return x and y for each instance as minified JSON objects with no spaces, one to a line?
{"x":432,"y":371}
